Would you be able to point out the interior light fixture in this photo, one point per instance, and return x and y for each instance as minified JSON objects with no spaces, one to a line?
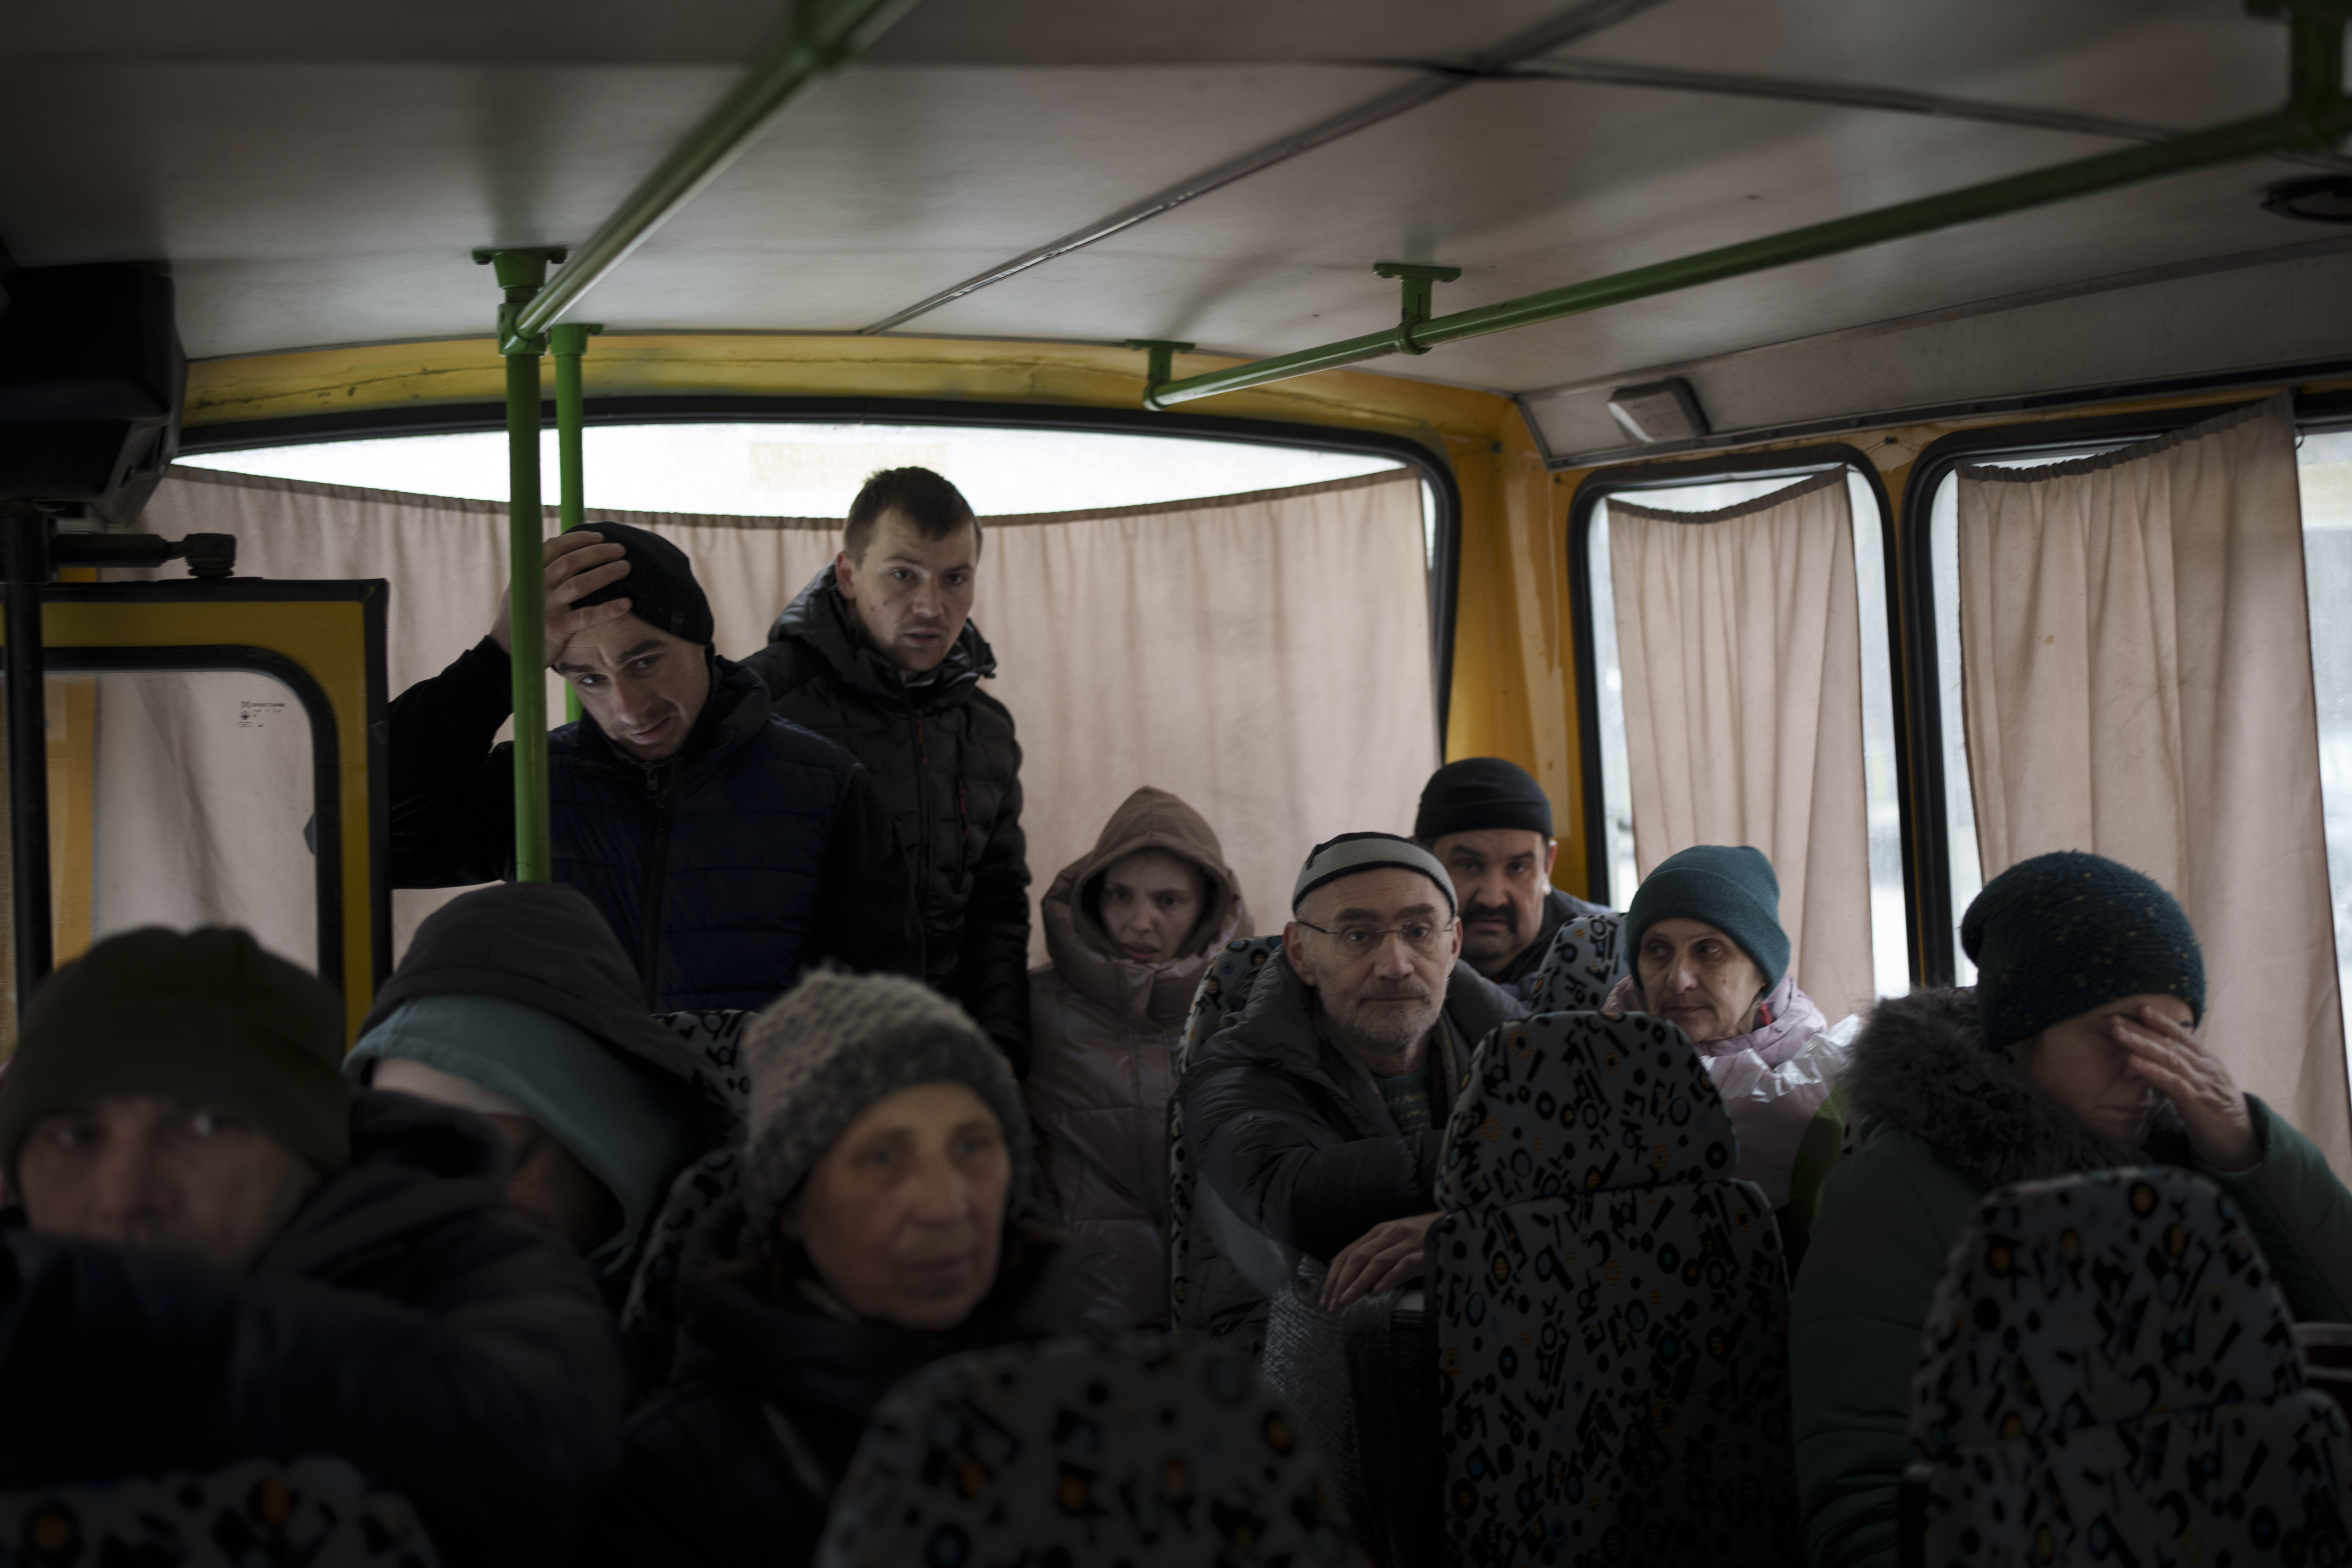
{"x":1658,"y":411}
{"x":2320,"y":198}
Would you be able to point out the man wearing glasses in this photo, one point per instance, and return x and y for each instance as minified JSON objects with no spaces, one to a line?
{"x":1315,"y":1118}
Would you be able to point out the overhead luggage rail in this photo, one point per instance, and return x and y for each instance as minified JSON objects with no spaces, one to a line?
{"x":2316,"y":116}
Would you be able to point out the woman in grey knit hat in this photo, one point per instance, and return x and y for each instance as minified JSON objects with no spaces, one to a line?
{"x":882,"y":1224}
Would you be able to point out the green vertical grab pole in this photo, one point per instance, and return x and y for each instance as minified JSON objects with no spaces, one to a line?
{"x":567,"y":341}
{"x":521,"y":273}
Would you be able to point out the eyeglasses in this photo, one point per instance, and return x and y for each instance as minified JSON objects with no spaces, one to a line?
{"x":1425,"y":936}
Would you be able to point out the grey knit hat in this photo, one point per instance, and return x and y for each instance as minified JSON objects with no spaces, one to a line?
{"x":826,"y":1051}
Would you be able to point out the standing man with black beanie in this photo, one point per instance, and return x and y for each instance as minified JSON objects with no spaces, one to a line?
{"x":727,"y":848}
{"x":1489,"y":824}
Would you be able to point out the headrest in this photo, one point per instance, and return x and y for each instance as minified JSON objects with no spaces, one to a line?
{"x":2098,"y":1299}
{"x":1566,"y":1104}
{"x":1585,"y":959}
{"x":1225,"y":989}
{"x":1140,"y":1449}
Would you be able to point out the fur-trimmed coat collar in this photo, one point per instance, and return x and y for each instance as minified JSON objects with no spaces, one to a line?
{"x":1921,"y":1063}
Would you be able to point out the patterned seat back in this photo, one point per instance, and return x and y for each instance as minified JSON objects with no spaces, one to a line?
{"x":316,"y":1510}
{"x":1150,"y":1451}
{"x":1224,"y":991}
{"x":1584,"y":962}
{"x":1610,"y":1309}
{"x":2108,"y":1364}
{"x":649,"y":1314}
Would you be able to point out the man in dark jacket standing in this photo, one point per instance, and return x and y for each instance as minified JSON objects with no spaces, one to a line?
{"x":1489,"y":824}
{"x":1315,"y":1120}
{"x":880,"y":654}
{"x":725,"y":848}
{"x":217,"y":1253}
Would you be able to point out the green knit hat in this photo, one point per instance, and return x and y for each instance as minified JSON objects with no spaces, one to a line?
{"x":203,"y":1016}
{"x":1731,"y":886}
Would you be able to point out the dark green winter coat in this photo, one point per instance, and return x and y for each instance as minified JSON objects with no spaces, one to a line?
{"x":1940,"y":1122}
{"x":943,"y":753}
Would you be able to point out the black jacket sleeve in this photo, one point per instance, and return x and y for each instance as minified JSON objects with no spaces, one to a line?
{"x":991,"y":976}
{"x":865,"y":897}
{"x":493,"y":1402}
{"x":1273,"y":1154}
{"x":452,"y":781}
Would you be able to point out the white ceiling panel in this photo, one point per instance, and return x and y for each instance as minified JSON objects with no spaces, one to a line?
{"x":316,"y":173}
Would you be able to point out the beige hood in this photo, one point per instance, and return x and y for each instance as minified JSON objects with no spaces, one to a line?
{"x":1081,"y":949}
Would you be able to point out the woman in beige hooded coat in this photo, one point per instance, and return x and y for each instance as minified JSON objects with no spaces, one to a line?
{"x":1130,"y":927}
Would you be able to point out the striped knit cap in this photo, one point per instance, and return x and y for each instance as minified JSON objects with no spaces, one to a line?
{"x":834,"y":1046}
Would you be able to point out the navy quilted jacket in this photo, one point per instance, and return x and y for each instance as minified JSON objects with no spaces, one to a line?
{"x":724,"y":871}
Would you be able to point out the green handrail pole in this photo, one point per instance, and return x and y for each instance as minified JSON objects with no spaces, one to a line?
{"x":2318,"y":117}
{"x":821,"y":39}
{"x":520,"y":273}
{"x":567,"y":343}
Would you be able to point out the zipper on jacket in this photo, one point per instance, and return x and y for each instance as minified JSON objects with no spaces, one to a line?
{"x":923,"y":831}
{"x":658,"y":784}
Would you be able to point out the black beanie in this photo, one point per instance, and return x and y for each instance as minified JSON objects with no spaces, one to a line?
{"x":206,"y":1017}
{"x":659,"y":584}
{"x":2059,"y":935}
{"x":1478,"y":793}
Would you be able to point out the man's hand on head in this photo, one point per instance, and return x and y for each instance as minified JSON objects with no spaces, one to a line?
{"x":1383,"y":1259}
{"x":578,"y":563}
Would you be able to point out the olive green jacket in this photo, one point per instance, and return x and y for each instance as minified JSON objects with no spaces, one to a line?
{"x":1940,"y":1123}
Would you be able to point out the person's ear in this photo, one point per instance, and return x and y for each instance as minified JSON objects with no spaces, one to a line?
{"x":1290,"y":934}
{"x":1551,"y":853}
{"x":844,"y":574}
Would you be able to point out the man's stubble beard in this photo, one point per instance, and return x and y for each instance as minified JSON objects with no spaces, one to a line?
{"x":1387,"y":1029}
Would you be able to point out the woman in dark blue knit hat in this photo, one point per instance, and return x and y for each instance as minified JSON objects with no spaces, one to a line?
{"x":2076,"y":1050}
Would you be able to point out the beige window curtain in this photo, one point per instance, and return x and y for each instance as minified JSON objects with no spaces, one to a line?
{"x":1265,"y":657}
{"x":1739,"y":648}
{"x":2137,"y":663}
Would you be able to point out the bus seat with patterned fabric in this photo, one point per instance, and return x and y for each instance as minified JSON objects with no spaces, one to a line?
{"x":2109,"y":1364}
{"x":1224,"y":991}
{"x":1610,"y":1309}
{"x":1586,"y":959}
{"x":1150,"y":1451}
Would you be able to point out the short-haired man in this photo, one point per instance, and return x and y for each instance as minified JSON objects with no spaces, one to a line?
{"x":726,"y":848}
{"x":879,"y":653}
{"x":216,"y":1252}
{"x":1489,"y":824}
{"x":1315,"y":1120}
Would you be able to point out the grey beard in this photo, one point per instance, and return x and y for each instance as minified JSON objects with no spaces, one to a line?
{"x":1386,"y":1031}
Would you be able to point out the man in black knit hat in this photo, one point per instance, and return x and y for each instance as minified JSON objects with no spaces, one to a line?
{"x":1489,"y":824}
{"x":727,"y":847}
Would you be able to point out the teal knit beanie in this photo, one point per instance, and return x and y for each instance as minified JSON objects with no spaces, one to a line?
{"x":1731,"y":887}
{"x":2059,"y":935}
{"x":203,"y":1016}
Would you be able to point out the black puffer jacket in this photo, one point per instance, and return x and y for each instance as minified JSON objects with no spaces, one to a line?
{"x":945,"y":757}
{"x":737,"y":1463}
{"x":1296,"y":1145}
{"x":724,"y":871}
{"x":405,"y":1321}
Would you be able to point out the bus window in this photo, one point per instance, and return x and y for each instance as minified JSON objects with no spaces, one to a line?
{"x":1967,"y":869}
{"x":201,"y":786}
{"x":1890,"y":963}
{"x":2324,"y":465}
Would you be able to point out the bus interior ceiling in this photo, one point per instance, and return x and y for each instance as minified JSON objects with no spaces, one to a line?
{"x":984,"y":209}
